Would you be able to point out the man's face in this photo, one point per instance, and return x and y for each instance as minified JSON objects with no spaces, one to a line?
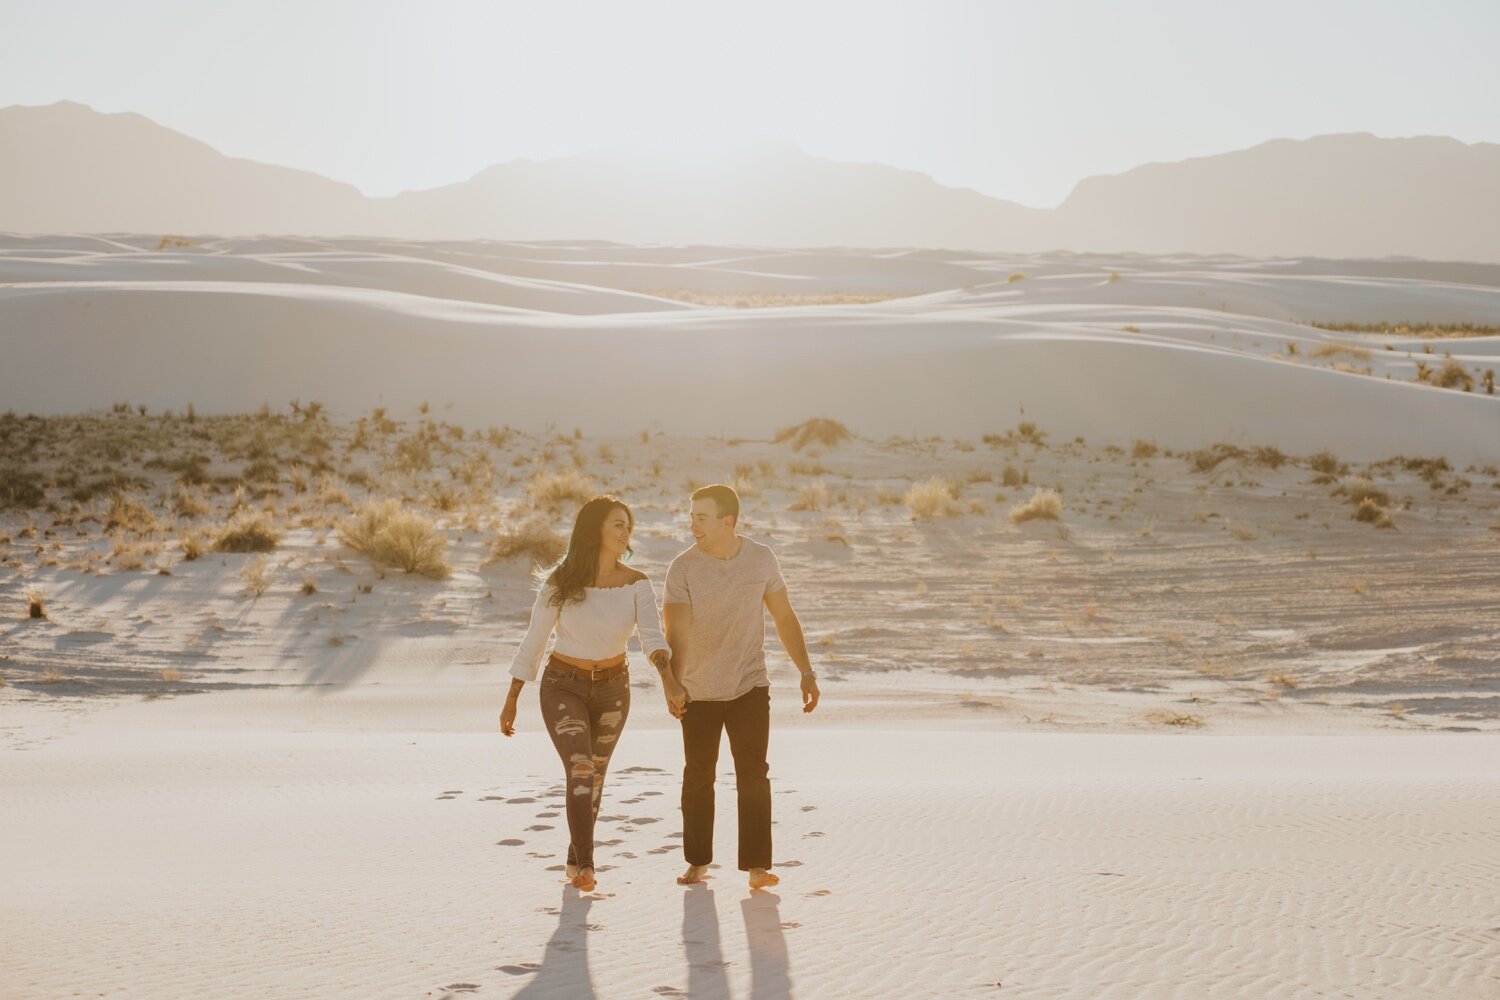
{"x":708,"y":527}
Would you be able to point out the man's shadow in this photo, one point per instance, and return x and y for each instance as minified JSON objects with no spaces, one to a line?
{"x":708,"y":977}
{"x":770,"y":972}
{"x":564,"y":971}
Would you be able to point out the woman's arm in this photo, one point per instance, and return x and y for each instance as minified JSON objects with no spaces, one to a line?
{"x":528,"y":658}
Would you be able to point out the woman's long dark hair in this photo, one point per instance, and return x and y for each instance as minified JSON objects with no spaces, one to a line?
{"x":580,"y":566}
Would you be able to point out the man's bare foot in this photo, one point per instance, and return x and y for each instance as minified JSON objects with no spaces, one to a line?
{"x":584,"y":880}
{"x":762,"y":879}
{"x":695,"y":873}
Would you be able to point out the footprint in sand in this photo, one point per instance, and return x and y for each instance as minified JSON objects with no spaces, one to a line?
{"x":643,"y":770}
{"x":440,"y":797}
{"x":555,"y":868}
{"x":524,"y":969}
{"x":787,"y":925}
{"x":492,"y":798}
{"x":643,"y":820}
{"x":668,"y":991}
{"x":663,"y":850}
{"x":817,"y":892}
{"x":546,"y":815}
{"x":608,"y":843}
{"x":643,"y":794}
{"x":520,"y":800}
{"x":808,"y":809}
{"x":510,"y":842}
{"x":788,"y":864}
{"x":814,"y":833}
{"x":550,"y":910}
{"x":536,"y":827}
{"x":462,"y":987}
{"x":629,"y":802}
{"x":625,"y":854}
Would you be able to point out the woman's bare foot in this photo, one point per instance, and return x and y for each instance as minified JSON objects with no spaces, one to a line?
{"x":570,"y":870}
{"x":762,"y":879}
{"x":584,"y":880}
{"x":695,"y":873}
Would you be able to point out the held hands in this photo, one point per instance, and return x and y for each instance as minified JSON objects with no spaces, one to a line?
{"x":672,"y":689}
{"x":809,"y":692}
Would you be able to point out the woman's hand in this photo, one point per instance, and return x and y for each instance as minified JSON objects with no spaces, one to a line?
{"x":508,"y":717}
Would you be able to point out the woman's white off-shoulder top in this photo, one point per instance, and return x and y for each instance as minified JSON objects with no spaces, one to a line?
{"x":596,"y":628}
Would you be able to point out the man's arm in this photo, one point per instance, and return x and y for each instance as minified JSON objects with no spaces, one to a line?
{"x":674,"y":623}
{"x":789,"y":631}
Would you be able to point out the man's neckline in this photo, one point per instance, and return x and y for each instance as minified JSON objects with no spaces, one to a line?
{"x":738,"y":549}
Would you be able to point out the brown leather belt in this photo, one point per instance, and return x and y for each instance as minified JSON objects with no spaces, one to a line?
{"x":598,"y":670}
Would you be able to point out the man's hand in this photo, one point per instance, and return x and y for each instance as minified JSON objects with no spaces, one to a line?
{"x":676,"y":694}
{"x":809,"y":692}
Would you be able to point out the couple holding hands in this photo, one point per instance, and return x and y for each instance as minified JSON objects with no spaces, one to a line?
{"x":711,"y":658}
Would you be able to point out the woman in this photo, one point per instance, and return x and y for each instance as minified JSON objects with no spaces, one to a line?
{"x":593,"y":602}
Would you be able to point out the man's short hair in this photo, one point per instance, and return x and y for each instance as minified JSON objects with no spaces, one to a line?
{"x":725,"y":499}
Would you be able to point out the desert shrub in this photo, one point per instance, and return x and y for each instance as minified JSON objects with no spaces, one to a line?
{"x":257,"y":575}
{"x":534,"y":538}
{"x":817,"y":431}
{"x":1453,"y":376}
{"x":249,"y":532}
{"x":1143,"y":449}
{"x":359,"y":530}
{"x":1358,"y":489}
{"x":1208,"y":459}
{"x":1324,"y":463}
{"x":1371,"y":512}
{"x":20,"y":488}
{"x":1269,"y":456}
{"x":811,"y":496}
{"x":555,"y":490}
{"x":930,"y":498}
{"x":413,"y":544}
{"x":125,"y":514}
{"x":1334,"y":349}
{"x":1044,"y":505}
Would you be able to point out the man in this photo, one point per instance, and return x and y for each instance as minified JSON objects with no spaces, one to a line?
{"x":717,"y":593}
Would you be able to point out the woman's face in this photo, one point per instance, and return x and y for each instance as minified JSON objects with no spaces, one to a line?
{"x":614,"y":534}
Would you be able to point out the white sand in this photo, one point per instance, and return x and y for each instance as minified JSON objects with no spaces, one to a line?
{"x":1205,"y":736}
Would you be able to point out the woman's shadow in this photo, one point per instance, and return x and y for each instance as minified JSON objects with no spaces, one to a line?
{"x":564,"y":971}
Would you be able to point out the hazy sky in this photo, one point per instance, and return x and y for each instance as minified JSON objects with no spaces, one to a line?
{"x":1017,"y":99}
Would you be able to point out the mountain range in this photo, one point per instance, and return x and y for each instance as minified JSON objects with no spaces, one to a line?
{"x":68,"y":168}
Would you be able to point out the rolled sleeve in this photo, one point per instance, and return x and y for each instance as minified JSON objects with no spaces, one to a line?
{"x":648,"y":619}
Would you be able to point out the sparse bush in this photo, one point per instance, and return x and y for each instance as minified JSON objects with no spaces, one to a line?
{"x":1371,"y":512}
{"x":811,"y":496}
{"x":250,"y":532}
{"x":1143,"y":449}
{"x":1453,"y":376}
{"x":534,"y":538}
{"x":930,"y":498}
{"x":817,"y":431}
{"x":257,"y":575}
{"x":1335,"y":349}
{"x":1358,"y":489}
{"x":411,"y":543}
{"x":192,"y":543}
{"x":20,"y":488}
{"x":360,"y":529}
{"x":556,"y":490}
{"x":1045,"y":505}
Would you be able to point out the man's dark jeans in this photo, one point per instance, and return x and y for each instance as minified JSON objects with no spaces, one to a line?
{"x":748,"y":721}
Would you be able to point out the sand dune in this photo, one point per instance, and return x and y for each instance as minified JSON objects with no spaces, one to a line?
{"x":1183,"y":356}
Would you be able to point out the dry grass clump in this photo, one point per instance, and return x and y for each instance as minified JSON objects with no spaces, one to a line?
{"x":413,"y":544}
{"x":1044,"y":505}
{"x":818,"y":431}
{"x":1143,"y":449}
{"x":1283,"y":680}
{"x":188,"y":504}
{"x":1176,"y":719}
{"x":1026,"y":432}
{"x":930,"y":498}
{"x":249,"y":532}
{"x":193,"y":544}
{"x":1452,"y":376}
{"x":556,"y":490}
{"x":360,"y":529}
{"x":36,"y":605}
{"x":126,"y":514}
{"x":1358,"y":489}
{"x":534,"y":538}
{"x":257,"y":575}
{"x":1370,"y":512}
{"x":1427,"y":331}
{"x":1335,"y":349}
{"x":811,"y":496}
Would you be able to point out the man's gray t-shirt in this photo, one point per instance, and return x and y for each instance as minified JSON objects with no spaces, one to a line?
{"x":720,"y":653}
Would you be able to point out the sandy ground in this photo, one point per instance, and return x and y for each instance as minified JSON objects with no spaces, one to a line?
{"x":1202,"y":734}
